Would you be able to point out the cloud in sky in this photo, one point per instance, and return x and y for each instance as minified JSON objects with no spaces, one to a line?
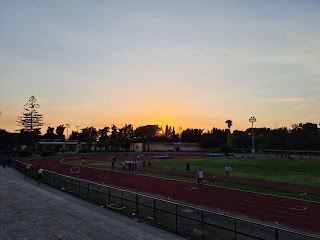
{"x":290,"y":99}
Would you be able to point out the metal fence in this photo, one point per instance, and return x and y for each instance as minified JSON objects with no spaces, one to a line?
{"x":182,"y":219}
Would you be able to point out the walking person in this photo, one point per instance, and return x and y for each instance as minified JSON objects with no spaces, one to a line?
{"x":40,"y":174}
{"x":227,"y":171}
{"x":28,"y":167}
{"x":200,"y":177}
{"x":114,"y":159}
{"x":188,"y":166}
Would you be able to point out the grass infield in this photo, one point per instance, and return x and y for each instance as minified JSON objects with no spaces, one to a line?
{"x":299,"y":172}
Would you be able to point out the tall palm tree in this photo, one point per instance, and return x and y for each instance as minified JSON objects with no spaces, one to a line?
{"x":229,"y":123}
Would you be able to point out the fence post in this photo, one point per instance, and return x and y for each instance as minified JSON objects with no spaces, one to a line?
{"x":72,"y":185}
{"x":109,"y":196}
{"x":176,"y":218}
{"x":54,"y":180}
{"x":235,"y":229}
{"x":79,"y":188}
{"x":277,"y":234}
{"x":88,"y":191}
{"x":154,"y":210}
{"x":137,"y":205}
{"x":98,"y":193}
{"x":202,"y":224}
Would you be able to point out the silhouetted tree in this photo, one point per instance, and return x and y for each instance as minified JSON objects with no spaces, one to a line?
{"x":191,"y":135}
{"x":60,"y":131}
{"x":50,"y":133}
{"x":74,"y":135}
{"x":104,"y":138}
{"x":31,"y":120}
{"x":146,"y":133}
{"x":229,"y":140}
{"x":229,"y":123}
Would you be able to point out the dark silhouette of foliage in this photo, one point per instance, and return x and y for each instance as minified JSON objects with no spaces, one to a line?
{"x":31,"y":120}
{"x":60,"y":131}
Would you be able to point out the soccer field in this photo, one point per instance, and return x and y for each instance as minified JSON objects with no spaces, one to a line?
{"x":301,"y":172}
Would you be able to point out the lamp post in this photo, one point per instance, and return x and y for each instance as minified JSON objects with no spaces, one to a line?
{"x":252,"y":120}
{"x":180,"y":128}
{"x":67,"y":126}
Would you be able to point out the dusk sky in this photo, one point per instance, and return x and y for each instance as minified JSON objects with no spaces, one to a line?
{"x":186,"y":63}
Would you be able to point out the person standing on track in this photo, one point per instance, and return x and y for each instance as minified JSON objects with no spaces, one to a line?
{"x":200,"y":177}
{"x":188,"y":166}
{"x":114,"y":159}
{"x":227,"y":171}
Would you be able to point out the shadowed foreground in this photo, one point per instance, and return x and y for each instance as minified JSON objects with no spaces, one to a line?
{"x":32,"y":211}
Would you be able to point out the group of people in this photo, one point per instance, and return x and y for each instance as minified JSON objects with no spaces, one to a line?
{"x":132,"y":165}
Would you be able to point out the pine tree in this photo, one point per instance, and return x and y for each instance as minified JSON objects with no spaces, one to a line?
{"x":31,"y":120}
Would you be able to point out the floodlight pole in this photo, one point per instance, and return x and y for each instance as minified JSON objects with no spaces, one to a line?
{"x":252,"y":120}
{"x":67,"y":126}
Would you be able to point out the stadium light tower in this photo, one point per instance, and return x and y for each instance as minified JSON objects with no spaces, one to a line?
{"x":67,"y":126}
{"x":252,"y":120}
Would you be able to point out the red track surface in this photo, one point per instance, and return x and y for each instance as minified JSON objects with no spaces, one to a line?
{"x":260,"y":206}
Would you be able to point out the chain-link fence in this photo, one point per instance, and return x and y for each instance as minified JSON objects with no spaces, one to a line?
{"x":182,"y":219}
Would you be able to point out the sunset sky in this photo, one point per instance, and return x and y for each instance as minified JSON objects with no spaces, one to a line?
{"x":186,"y":63}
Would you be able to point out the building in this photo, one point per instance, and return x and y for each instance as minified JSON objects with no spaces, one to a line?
{"x":167,"y":147}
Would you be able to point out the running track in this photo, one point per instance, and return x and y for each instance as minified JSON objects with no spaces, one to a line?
{"x":259,"y":206}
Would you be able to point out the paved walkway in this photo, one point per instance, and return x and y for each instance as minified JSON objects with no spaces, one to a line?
{"x":32,"y":211}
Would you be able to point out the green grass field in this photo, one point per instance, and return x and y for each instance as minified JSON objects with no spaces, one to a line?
{"x":300,"y":172}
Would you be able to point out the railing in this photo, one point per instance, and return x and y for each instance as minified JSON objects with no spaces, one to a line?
{"x":182,"y":219}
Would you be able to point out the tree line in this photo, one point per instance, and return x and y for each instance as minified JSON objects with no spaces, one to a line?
{"x":302,"y":136}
